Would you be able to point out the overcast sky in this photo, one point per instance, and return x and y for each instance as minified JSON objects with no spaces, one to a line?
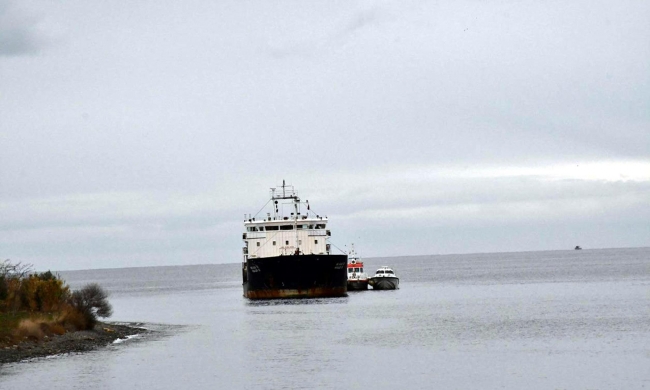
{"x":139,"y":132}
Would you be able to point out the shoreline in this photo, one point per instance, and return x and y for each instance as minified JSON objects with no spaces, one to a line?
{"x":103,"y":335}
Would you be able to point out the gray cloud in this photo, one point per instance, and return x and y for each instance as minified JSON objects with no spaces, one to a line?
{"x":19,"y":34}
{"x":364,"y":18}
{"x":333,"y":37}
{"x":418,"y":127}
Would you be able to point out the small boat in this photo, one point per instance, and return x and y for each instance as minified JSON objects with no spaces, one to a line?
{"x":384,"y":279}
{"x":357,"y":279}
{"x":578,"y":248}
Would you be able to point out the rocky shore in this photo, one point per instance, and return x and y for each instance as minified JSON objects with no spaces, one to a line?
{"x":102,"y":335}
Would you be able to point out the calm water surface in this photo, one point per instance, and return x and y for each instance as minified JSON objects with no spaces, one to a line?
{"x":533,"y":320}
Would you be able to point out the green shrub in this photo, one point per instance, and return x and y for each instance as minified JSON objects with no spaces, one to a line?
{"x":45,"y":302}
{"x":37,"y":292}
{"x":3,"y":288}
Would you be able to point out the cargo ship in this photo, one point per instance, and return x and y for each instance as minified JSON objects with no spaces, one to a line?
{"x":286,"y":253}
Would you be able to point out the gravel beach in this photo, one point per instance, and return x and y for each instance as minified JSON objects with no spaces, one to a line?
{"x":82,"y":341}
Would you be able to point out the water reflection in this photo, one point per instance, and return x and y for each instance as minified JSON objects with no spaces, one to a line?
{"x":297,"y":301}
{"x":465,"y":321}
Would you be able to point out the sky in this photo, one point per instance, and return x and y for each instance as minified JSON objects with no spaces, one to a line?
{"x":140,"y":132}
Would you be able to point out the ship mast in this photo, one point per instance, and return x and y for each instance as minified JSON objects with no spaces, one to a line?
{"x":290,"y":194}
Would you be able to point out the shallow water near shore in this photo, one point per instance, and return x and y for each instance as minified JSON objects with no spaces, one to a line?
{"x":534,"y":320}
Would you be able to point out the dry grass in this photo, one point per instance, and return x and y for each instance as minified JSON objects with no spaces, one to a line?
{"x":8,"y":325}
{"x":72,"y":320}
{"x":57,"y":329}
{"x":30,"y":329}
{"x":36,"y":328}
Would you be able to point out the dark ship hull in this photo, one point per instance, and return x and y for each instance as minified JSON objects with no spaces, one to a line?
{"x":298,"y":276}
{"x":384,"y":283}
{"x":357,"y":284}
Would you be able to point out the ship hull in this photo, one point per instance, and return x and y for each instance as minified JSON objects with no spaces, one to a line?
{"x":384,"y":283}
{"x":357,"y":285}
{"x":300,"y":276}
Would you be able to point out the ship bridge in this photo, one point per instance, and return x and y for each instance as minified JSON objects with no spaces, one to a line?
{"x":286,"y":229}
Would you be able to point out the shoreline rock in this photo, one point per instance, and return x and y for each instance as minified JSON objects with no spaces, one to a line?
{"x":104,"y":334}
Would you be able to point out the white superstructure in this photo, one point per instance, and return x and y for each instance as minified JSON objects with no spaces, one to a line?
{"x":287,"y":230}
{"x":355,"y":266}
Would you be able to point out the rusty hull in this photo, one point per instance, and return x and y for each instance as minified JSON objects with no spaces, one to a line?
{"x":297,"y":276}
{"x":317,"y":292}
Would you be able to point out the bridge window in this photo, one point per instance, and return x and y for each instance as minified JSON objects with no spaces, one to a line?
{"x":271,"y":228}
{"x":286,"y":227}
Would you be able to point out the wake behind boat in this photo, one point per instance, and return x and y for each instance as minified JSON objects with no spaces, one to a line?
{"x":287,"y":256}
{"x":384,"y":279}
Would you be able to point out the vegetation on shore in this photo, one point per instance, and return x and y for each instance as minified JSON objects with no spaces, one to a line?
{"x":35,"y":306}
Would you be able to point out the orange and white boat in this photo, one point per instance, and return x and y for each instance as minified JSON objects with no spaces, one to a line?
{"x":357,"y":279}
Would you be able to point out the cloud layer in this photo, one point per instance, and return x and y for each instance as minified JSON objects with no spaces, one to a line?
{"x":146,"y":132}
{"x":20,"y":31}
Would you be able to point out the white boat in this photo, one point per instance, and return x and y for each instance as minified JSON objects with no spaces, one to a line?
{"x":384,"y":279}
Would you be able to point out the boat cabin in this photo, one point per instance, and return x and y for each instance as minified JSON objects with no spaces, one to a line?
{"x":355,"y":265}
{"x":384,"y":271}
{"x":355,"y":268}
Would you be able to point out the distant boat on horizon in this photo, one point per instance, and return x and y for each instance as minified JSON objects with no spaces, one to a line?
{"x":578,"y":247}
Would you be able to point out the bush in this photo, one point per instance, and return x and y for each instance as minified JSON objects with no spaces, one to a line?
{"x":44,"y":301}
{"x":43,"y":292}
{"x":4,"y":289}
{"x":91,"y":302}
{"x":72,"y":320}
{"x":37,"y":292}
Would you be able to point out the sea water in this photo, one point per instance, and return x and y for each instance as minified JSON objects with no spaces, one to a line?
{"x":530,"y":320}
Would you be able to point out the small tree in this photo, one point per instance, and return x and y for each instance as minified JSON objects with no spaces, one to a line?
{"x":11,"y":276}
{"x":11,"y":270}
{"x":91,"y":302}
